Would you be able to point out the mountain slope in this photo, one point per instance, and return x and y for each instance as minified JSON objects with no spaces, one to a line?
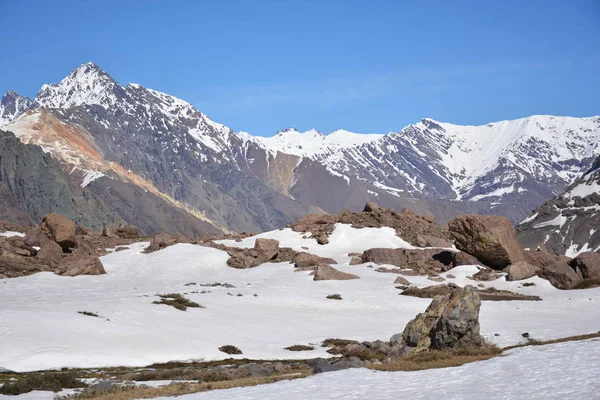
{"x":167,"y":145}
{"x":240,"y":182}
{"x":567,"y":224}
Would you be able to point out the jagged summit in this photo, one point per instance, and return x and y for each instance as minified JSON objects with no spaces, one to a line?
{"x":87,"y":84}
{"x":11,"y":105}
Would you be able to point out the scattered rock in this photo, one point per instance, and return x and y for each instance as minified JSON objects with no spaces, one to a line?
{"x":450,"y":322}
{"x":521,"y":270}
{"x":60,"y":229}
{"x":268,"y":247}
{"x":50,"y":253}
{"x":127,"y":231}
{"x":81,"y":265}
{"x":432,"y":241}
{"x":491,"y":239}
{"x":400,"y":280}
{"x":160,"y":241}
{"x":561,"y":275}
{"x":588,"y":263}
{"x":305,"y":260}
{"x":371,"y":206}
{"x":423,"y":261}
{"x":486,"y":275}
{"x":324,"y":272}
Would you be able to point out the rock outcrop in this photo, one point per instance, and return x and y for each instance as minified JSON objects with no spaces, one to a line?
{"x":60,"y":229}
{"x":450,"y":322}
{"x":409,"y":226}
{"x":491,"y":239}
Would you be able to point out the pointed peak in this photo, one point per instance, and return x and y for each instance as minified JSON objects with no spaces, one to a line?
{"x":87,"y":84}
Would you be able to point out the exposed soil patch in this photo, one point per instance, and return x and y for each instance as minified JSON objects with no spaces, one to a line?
{"x":488,"y":294}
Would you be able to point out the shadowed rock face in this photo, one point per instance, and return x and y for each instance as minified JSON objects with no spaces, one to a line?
{"x":569,"y":223}
{"x":450,"y":321}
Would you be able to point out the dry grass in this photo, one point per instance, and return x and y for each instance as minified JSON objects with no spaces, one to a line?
{"x":50,"y":381}
{"x":229,"y":349}
{"x":129,"y":392}
{"x":535,"y":342}
{"x":334,"y":342}
{"x":176,"y":300}
{"x":299,"y":347}
{"x":440,"y":359}
{"x":88,"y":313}
{"x":335,"y":296}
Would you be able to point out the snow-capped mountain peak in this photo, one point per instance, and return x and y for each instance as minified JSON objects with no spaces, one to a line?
{"x":87,"y":84}
{"x":11,"y":105}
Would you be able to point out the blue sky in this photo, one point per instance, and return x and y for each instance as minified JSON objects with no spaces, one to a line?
{"x":365,"y":66}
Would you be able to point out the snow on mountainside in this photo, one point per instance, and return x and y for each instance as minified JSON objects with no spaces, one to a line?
{"x":311,"y":143}
{"x":12,"y":105}
{"x":568,"y":224}
{"x":506,"y":167}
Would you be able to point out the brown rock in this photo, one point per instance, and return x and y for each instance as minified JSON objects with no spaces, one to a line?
{"x":61,"y":229}
{"x":491,"y":239}
{"x":324,"y":272}
{"x":461,"y":258}
{"x":160,"y":241}
{"x":107,"y":232}
{"x":540,"y":259}
{"x":81,"y":265}
{"x":485,"y":275}
{"x":420,"y":260}
{"x":561,"y":275}
{"x":521,"y":270}
{"x":400,"y":280}
{"x":267,"y":247}
{"x":432,"y":241}
{"x":355,"y":260}
{"x":36,"y":237}
{"x":304,"y":260}
{"x":50,"y":253}
{"x":370,"y":206}
{"x":127,"y":231}
{"x":450,"y":321}
{"x":588,"y":263}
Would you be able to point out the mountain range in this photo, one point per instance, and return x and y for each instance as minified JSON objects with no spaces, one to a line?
{"x":136,"y":155}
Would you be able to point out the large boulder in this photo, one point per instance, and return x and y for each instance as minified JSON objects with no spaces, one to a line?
{"x":160,"y":241}
{"x":423,"y":261}
{"x":36,"y":237}
{"x":588,"y":263}
{"x":324,"y":272}
{"x":50,"y":253}
{"x":267,"y":247}
{"x":521,"y":270}
{"x":61,"y":229}
{"x":541,"y":259}
{"x":561,"y":275}
{"x":81,"y":265}
{"x":450,"y":322}
{"x":490,"y":238}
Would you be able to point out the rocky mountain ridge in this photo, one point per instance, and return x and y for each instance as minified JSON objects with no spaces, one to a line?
{"x":110,"y":133}
{"x":568,"y":224}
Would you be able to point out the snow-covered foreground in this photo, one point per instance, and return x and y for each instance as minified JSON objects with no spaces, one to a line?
{"x":40,"y":327}
{"x":559,"y":371}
